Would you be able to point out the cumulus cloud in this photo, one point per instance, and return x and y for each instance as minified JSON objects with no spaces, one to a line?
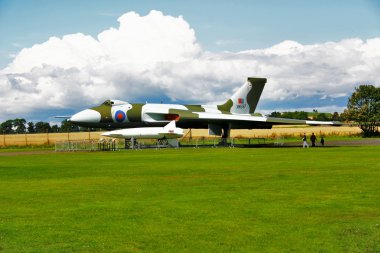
{"x":159,"y":56}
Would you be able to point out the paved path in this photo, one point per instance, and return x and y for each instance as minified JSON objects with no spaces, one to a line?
{"x":338,"y":143}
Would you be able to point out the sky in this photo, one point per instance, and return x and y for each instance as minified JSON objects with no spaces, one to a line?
{"x":58,"y":57}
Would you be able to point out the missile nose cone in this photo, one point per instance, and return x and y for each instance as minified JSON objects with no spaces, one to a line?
{"x":106,"y":134}
{"x":87,"y":116}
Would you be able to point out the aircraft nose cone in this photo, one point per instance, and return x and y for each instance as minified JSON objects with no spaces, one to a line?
{"x":87,"y":116}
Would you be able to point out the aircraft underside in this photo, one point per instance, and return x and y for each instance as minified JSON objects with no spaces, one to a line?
{"x":195,"y":124}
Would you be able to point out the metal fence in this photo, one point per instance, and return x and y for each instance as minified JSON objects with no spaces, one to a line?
{"x":87,"y":145}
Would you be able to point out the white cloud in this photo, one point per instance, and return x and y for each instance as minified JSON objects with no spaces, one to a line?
{"x":157,"y":55}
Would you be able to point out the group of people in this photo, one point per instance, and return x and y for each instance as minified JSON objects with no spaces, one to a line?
{"x":313,"y":139}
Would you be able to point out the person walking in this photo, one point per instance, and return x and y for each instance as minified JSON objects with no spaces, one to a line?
{"x":313,"y":139}
{"x":304,"y":141}
{"x":322,"y":141}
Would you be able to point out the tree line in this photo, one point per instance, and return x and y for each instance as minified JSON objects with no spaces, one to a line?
{"x":309,"y":116}
{"x":20,"y":126}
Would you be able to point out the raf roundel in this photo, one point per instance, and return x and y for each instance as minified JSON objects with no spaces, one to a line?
{"x":120,"y":116}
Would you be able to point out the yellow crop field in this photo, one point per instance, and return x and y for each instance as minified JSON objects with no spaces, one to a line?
{"x":45,"y":139}
{"x":276,"y":131}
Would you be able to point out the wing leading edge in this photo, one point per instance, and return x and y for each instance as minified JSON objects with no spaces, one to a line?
{"x":258,"y":119}
{"x":186,"y":118}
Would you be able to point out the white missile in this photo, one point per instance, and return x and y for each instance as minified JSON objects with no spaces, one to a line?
{"x":170,"y":131}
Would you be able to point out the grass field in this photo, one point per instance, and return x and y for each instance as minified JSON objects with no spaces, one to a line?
{"x":192,"y":200}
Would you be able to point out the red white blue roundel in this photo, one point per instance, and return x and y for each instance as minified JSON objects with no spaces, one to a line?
{"x":119,"y":116}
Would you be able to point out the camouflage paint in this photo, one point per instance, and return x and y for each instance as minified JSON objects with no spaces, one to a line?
{"x":254,"y":94}
{"x":226,"y":107}
{"x":105,"y":112}
{"x":134,"y":114}
{"x":195,"y":108}
{"x":183,"y":114}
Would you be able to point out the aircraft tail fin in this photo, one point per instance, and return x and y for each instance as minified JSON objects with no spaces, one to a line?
{"x":245,"y":99}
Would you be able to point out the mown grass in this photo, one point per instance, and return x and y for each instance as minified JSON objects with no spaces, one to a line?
{"x":26,"y":148}
{"x":192,"y":200}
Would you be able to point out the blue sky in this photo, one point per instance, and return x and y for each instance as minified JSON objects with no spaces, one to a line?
{"x":219,"y":25}
{"x":313,"y":52}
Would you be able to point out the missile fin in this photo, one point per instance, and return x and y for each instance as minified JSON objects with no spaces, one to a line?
{"x":170,"y":126}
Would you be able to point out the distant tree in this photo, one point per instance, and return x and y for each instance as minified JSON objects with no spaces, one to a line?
{"x":322,"y":117}
{"x":67,"y":126}
{"x":302,"y":115}
{"x":275,"y":114}
{"x":75,"y":128}
{"x":82,"y":129}
{"x":295,"y":115}
{"x":287,"y":115}
{"x":31,"y":127}
{"x":42,"y":127}
{"x":364,"y":108}
{"x":19,"y":126}
{"x":7,"y":127}
{"x":336,"y":117}
{"x":343,"y":116}
{"x":55,"y":129}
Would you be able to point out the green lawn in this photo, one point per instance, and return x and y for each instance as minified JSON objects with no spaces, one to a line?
{"x":192,"y":200}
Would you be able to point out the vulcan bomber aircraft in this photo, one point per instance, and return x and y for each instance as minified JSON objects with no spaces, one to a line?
{"x":236,"y":113}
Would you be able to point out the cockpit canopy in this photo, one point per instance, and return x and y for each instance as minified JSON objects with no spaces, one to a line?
{"x":111,"y":102}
